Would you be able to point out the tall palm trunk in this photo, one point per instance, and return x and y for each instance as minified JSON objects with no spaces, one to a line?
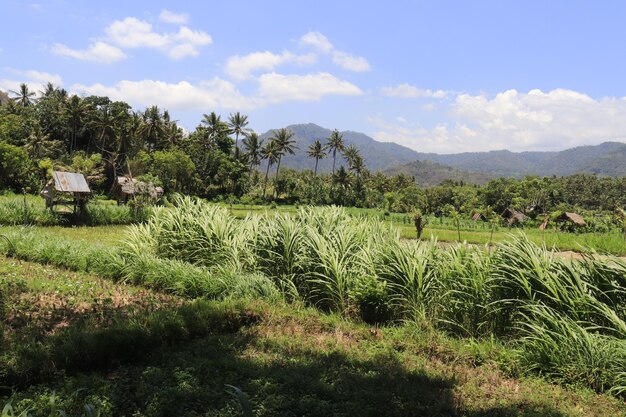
{"x":267,"y":173}
{"x":316,"y":161}
{"x":236,"y":145}
{"x":334,"y":159}
{"x":276,"y":179}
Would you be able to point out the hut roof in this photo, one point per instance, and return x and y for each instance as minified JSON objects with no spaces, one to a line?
{"x":514,"y":215}
{"x":574,"y":218}
{"x":127,"y":185}
{"x":70,"y":182}
{"x":478,"y":216}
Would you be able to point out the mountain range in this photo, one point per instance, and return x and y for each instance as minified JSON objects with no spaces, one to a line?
{"x":608,"y":158}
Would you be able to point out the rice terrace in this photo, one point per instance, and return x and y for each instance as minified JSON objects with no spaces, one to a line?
{"x":178,"y":238}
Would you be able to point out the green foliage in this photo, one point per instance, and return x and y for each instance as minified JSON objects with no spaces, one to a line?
{"x":15,"y":168}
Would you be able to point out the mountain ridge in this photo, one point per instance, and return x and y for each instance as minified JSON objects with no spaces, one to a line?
{"x":607,"y":158}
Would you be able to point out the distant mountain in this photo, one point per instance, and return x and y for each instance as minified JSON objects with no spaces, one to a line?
{"x":4,"y":97}
{"x":608,"y":158}
{"x":376,"y":155}
{"x":428,"y":173}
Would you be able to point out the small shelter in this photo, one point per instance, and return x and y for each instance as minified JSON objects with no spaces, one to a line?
{"x":66,"y":189}
{"x":573,"y":219}
{"x":479,"y":216}
{"x":513,"y":216}
{"x":128,"y":188}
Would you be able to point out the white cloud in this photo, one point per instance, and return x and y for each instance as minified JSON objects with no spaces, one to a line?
{"x":36,"y":80}
{"x":349,"y":62}
{"x":517,"y":121}
{"x":410,"y":91}
{"x":278,"y":87}
{"x":317,"y":41}
{"x":320,"y":43}
{"x":131,"y":32}
{"x":183,"y":96}
{"x":97,"y":52}
{"x":134,"y":33}
{"x":221,"y":94}
{"x":174,"y":18}
{"x":241,"y":67}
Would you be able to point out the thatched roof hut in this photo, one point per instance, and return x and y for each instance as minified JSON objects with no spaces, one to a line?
{"x":572,"y":218}
{"x":126,"y":188}
{"x":479,"y":216}
{"x":513,"y":216}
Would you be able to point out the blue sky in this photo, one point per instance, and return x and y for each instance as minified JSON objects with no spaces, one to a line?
{"x":437,"y":76}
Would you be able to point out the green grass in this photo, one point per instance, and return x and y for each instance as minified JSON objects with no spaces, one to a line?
{"x":74,"y":332}
{"x":361,"y":269}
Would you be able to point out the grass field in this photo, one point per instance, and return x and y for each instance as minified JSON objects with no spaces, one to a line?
{"x":66,"y":339}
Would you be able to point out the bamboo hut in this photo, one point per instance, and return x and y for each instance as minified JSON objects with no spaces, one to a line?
{"x":67,"y":189}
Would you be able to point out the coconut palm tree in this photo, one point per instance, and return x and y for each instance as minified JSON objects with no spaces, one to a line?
{"x":270,"y":152}
{"x":152,"y":128}
{"x":237,"y":124}
{"x":351,"y":154}
{"x":285,"y":144}
{"x":253,"y":146}
{"x":75,"y":109}
{"x":317,"y":151}
{"x":334,"y":143}
{"x":24,"y":97}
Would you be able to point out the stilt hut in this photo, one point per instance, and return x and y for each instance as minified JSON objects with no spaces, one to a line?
{"x":69,"y":189}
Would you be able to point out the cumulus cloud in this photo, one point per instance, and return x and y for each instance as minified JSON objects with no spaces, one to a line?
{"x":410,"y":91}
{"x":536,"y":120}
{"x":134,"y":33}
{"x":317,"y":41}
{"x":320,"y":43}
{"x":36,"y":80}
{"x":96,"y":52}
{"x":131,"y":32}
{"x":242,"y":67}
{"x":174,"y":18}
{"x":278,"y":87}
{"x":221,"y":94}
{"x":350,"y":62}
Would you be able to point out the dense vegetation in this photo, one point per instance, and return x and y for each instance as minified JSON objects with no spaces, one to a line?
{"x":563,"y":318}
{"x":225,"y":160}
{"x":289,"y":361}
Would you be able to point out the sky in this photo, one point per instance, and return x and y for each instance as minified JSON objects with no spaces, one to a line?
{"x":436,"y":76}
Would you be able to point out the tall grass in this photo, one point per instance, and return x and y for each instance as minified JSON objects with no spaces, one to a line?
{"x":521,"y":292}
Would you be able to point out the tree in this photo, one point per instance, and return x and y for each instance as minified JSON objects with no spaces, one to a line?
{"x":317,"y":151}
{"x":334,"y":143}
{"x":253,"y":146}
{"x":152,"y":128}
{"x":237,"y":124}
{"x":24,"y":97}
{"x":271,"y":154}
{"x":284,"y":143}
{"x":75,"y":109}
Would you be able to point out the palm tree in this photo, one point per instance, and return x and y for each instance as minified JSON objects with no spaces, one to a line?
{"x":253,"y":147}
{"x":351,"y":154}
{"x":24,"y":97}
{"x":335,"y":143}
{"x":75,"y":109}
{"x":237,"y":124}
{"x":152,"y":128}
{"x":269,"y":152}
{"x":285,"y":144}
{"x":317,"y":151}
{"x":104,"y":122}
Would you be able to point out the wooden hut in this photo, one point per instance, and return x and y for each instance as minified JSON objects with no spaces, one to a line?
{"x":66,"y":189}
{"x":572,"y":219}
{"x":479,"y":216}
{"x":513,"y":216}
{"x":127,"y":188}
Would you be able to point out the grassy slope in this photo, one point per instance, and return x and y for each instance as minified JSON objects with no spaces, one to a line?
{"x":290,"y":361}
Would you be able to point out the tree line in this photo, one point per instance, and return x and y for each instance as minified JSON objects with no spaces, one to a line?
{"x":224,"y":159}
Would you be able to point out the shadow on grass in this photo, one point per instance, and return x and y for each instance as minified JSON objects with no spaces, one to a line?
{"x":176,"y":362}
